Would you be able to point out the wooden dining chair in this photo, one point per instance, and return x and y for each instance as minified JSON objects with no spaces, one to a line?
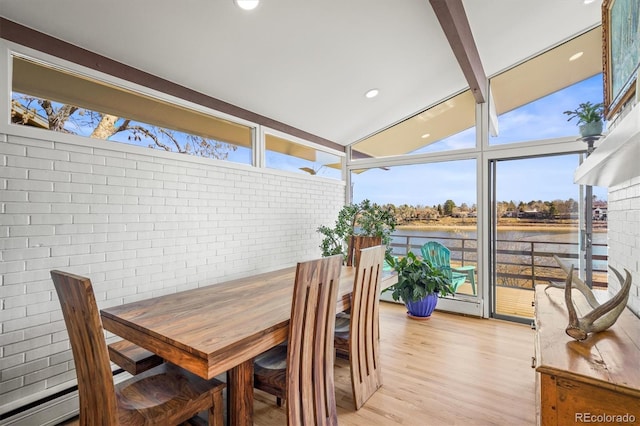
{"x":301,"y":372}
{"x":360,"y":341}
{"x":163,"y":395}
{"x":357,"y":243}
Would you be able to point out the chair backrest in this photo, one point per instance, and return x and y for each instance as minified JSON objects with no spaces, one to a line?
{"x":358,"y":242}
{"x":438,"y":255}
{"x":364,"y":344}
{"x":310,"y":354}
{"x":90,"y":355}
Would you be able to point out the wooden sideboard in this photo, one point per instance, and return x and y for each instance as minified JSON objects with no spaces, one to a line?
{"x":595,"y":381}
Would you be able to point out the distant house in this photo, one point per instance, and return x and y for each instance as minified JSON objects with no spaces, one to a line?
{"x":530,"y":214}
{"x":600,"y":213}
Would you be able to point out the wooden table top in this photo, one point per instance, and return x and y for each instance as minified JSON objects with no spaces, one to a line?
{"x":212,"y":329}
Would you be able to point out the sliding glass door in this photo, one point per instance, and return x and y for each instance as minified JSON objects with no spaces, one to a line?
{"x":538,"y":212}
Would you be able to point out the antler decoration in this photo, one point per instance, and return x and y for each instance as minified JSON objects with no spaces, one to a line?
{"x":577,"y":283}
{"x":602,"y":316}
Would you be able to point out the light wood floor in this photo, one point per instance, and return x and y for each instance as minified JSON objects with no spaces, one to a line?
{"x":448,"y":370}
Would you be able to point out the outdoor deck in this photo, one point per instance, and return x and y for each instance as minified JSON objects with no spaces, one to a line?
{"x":511,"y":300}
{"x":448,"y":370}
{"x":515,"y":302}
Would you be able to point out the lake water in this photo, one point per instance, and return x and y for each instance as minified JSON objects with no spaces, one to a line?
{"x":537,"y":235}
{"x":555,"y":240}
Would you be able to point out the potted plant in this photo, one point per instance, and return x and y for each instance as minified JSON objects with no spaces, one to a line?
{"x":589,"y":118}
{"x":419,"y":284}
{"x":362,"y":219}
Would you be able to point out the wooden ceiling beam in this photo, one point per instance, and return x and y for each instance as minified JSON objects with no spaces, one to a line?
{"x":455,"y":25}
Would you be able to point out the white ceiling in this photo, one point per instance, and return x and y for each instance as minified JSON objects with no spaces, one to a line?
{"x":308,"y":63}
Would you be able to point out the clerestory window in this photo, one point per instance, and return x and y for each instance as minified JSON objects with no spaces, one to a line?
{"x":60,"y":100}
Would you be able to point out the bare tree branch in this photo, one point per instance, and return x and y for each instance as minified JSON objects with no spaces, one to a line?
{"x":71,"y":119}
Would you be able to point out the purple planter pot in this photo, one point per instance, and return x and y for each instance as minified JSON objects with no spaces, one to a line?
{"x":422,"y":309}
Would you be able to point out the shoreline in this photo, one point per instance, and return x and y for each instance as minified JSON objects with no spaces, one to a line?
{"x":510,"y":227}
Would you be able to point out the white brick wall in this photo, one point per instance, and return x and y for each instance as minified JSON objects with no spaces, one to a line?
{"x":624,"y":237}
{"x":139,"y":223}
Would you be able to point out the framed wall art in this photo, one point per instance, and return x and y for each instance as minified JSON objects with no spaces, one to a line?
{"x":621,"y":55}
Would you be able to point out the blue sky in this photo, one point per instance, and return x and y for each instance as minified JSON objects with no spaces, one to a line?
{"x":546,"y":179}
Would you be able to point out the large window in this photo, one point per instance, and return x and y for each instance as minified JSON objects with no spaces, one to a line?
{"x":537,"y":210}
{"x":530,"y":98}
{"x":544,"y":118}
{"x":52,"y":98}
{"x":435,"y":193}
{"x":432,"y":202}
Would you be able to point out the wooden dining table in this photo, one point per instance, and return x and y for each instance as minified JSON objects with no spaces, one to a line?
{"x":221,"y":327}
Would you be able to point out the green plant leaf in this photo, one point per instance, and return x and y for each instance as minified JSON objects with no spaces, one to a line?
{"x":417,"y":278}
{"x":365,"y":218}
{"x":586,"y":112}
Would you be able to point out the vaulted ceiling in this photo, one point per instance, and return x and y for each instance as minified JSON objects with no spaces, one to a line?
{"x":308,"y":64}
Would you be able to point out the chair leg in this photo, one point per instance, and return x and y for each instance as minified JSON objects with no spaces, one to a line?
{"x":279,"y":401}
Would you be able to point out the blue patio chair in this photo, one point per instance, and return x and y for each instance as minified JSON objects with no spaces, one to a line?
{"x":440,"y":257}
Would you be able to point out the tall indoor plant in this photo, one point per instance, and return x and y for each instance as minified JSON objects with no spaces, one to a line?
{"x":589,"y":117}
{"x":419,"y":284}
{"x":362,"y":219}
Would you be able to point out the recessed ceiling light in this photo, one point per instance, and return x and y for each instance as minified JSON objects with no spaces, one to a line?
{"x":372,"y":93}
{"x":576,"y":56}
{"x":426,"y":135}
{"x":247,"y":4}
{"x":588,"y":1}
